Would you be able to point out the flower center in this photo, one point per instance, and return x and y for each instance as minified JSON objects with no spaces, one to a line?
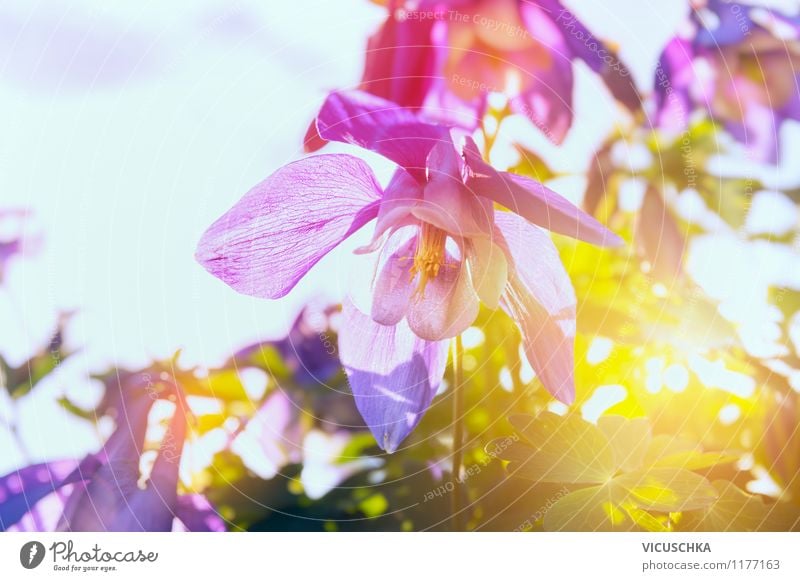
{"x":429,"y":257}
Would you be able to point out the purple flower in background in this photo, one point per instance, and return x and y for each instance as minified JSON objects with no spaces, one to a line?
{"x":105,"y":491}
{"x":308,"y":351}
{"x":738,"y":62}
{"x":439,"y":249}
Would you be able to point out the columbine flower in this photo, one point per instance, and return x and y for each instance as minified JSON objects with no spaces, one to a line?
{"x":740,"y":63}
{"x":439,"y":249}
{"x":105,"y":491}
{"x":445,"y":56}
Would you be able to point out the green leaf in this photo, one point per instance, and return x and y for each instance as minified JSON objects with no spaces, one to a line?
{"x":224,"y":385}
{"x":76,"y":410}
{"x":694,"y":460}
{"x":735,"y":510}
{"x":667,"y":489}
{"x":208,"y":422}
{"x":596,"y":508}
{"x":629,"y":439}
{"x":672,"y":452}
{"x":564,"y":449}
{"x":644,"y":519}
{"x":531,"y":165}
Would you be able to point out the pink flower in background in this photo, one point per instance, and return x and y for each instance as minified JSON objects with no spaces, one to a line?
{"x":444,"y":57}
{"x":740,"y":63}
{"x":439,"y":249}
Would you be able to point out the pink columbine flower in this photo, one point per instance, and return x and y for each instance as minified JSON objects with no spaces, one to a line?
{"x":439,"y":249}
{"x":443,"y":57}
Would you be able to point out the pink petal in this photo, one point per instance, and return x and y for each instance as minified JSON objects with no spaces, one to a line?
{"x":381,"y":126}
{"x":286,"y":224}
{"x":402,"y":195}
{"x":547,"y":98}
{"x":393,"y":374}
{"x":489,"y":270}
{"x":534,"y":202}
{"x":448,"y":305}
{"x":393,"y":285}
{"x":400,"y":61}
{"x":541,"y":300}
{"x":447,"y":203}
{"x":312,"y":142}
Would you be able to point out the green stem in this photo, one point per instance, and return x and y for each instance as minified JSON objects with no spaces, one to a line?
{"x":458,"y":433}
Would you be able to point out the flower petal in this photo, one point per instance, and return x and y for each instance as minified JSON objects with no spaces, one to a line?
{"x":448,"y":304}
{"x":402,"y":195}
{"x":594,"y":52}
{"x":547,"y":102}
{"x":541,"y":300}
{"x":198,"y":515}
{"x":286,"y":224}
{"x":447,"y":203}
{"x":489,"y":270}
{"x":393,"y":374}
{"x":534,"y":202}
{"x":381,"y":126}
{"x":673,"y":80}
{"x":22,"y":489}
{"x":114,"y":500}
{"x":393,"y":285}
{"x":401,"y":60}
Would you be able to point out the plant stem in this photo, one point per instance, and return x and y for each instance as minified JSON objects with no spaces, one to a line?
{"x":458,"y":432}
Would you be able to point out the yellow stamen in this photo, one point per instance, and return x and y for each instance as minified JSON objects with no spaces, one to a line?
{"x":429,"y":257}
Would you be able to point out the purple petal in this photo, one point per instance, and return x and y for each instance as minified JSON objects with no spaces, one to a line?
{"x":22,"y":489}
{"x":393,"y":374}
{"x":534,"y":202}
{"x":381,"y":126}
{"x":547,"y":103}
{"x":726,"y":26}
{"x":541,"y":300}
{"x":674,"y":77}
{"x":198,"y":515}
{"x":286,"y":224}
{"x":594,"y":52}
{"x":113,"y":499}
